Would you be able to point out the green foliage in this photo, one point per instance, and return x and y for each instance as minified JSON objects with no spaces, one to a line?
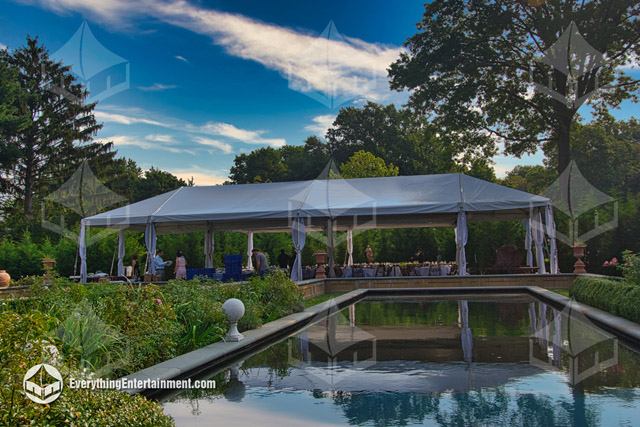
{"x":365,"y":165}
{"x":199,"y":310}
{"x":615,"y":296}
{"x":156,"y":182}
{"x":631,"y":267}
{"x":468,"y":69}
{"x":97,"y":346}
{"x":21,"y":258}
{"x":288,"y":163}
{"x":51,"y":121}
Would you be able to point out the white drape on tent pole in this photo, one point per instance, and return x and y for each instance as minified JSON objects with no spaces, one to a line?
{"x":551,"y":232}
{"x":150,"y":243}
{"x":350,"y":246}
{"x":331,"y":248}
{"x":462,"y":235}
{"x":249,"y":249}
{"x":82,"y":252}
{"x":528,"y":241}
{"x":209,"y":245}
{"x":298,"y":236}
{"x":120,"y":252}
{"x":538,"y":232}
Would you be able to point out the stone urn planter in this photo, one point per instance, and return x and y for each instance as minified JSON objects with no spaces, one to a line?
{"x":5,"y":279}
{"x":48,"y":263}
{"x":578,"y":252}
{"x":321,"y":259}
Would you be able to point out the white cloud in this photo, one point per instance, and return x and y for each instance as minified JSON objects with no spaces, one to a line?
{"x":104,"y":116}
{"x":3,"y":46}
{"x":200,"y":175}
{"x":248,"y":136}
{"x":332,"y":65}
{"x":181,"y":58}
{"x":321,"y":124}
{"x":222,"y":146}
{"x":160,"y":138}
{"x":156,"y":87}
{"x":228,"y":130}
{"x":132,"y":141}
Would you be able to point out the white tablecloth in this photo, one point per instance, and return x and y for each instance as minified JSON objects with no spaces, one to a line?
{"x":422,"y":271}
{"x":347,"y":272}
{"x":369,"y":272}
{"x":395,"y":271}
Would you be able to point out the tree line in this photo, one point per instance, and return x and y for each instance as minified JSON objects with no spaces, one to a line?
{"x":470,"y":69}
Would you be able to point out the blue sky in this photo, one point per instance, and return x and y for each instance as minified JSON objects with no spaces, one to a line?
{"x":212,"y":79}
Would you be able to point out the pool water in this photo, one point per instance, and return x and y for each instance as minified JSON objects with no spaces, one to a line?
{"x":414,"y":362}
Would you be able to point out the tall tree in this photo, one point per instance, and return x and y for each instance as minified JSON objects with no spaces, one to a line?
{"x":288,"y":163}
{"x":472,"y":66}
{"x":400,"y":137}
{"x":49,"y":107}
{"x":365,"y":165}
{"x":156,"y":182}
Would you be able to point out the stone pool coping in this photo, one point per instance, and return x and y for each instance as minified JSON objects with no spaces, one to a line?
{"x":216,"y":355}
{"x":208,"y":357}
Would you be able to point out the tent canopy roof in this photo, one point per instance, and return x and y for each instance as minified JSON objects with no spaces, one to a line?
{"x":388,"y":202}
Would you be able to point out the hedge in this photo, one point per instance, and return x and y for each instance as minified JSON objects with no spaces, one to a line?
{"x":618,"y":297}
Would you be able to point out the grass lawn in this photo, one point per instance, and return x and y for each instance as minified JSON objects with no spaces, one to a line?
{"x":320,"y":299}
{"x":564,"y":292}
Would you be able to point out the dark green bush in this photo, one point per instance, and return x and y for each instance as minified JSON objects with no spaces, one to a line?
{"x":618,"y":297}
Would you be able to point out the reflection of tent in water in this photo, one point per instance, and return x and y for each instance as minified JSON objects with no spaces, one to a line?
{"x":88,"y":58}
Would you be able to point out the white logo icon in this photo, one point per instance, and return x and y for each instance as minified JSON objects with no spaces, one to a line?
{"x":42,"y":383}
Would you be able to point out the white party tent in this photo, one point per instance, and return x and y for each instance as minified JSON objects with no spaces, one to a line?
{"x":445,"y":200}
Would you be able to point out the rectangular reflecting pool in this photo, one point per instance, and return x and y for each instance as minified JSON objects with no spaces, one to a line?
{"x":413,"y":361}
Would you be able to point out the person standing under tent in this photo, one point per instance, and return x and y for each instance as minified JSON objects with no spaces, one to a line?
{"x":180,"y":269}
{"x":261,"y":262}
{"x":160,"y":264}
{"x":135,"y":268}
{"x":369,"y":254}
{"x":283,"y":259}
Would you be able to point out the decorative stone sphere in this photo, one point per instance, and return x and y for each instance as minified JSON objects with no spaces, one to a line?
{"x":234,"y":309}
{"x":5,"y":279}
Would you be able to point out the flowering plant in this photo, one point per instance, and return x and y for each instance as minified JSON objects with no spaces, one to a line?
{"x":612,"y":263}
